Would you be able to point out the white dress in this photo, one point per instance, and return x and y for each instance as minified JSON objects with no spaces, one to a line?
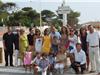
{"x":38,"y":45}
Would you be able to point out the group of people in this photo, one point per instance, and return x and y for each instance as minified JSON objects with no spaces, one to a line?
{"x":48,"y":51}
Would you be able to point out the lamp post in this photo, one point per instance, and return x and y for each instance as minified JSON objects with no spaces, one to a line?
{"x":64,"y":10}
{"x":40,"y":15}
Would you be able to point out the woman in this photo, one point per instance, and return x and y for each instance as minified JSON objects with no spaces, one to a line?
{"x":64,"y":36}
{"x":73,"y":39}
{"x":23,"y":43}
{"x":38,"y":41}
{"x":83,"y":35}
{"x":46,"y":42}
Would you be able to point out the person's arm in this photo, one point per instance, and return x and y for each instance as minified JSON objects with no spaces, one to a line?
{"x":33,"y":60}
{"x":59,"y":35}
{"x":77,"y":39}
{"x":83,"y":59}
{"x":42,"y":40}
{"x":4,"y":45}
{"x":28,"y":38}
{"x":87,"y":40}
{"x":4,"y":37}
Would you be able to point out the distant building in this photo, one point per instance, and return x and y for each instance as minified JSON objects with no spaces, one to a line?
{"x":94,"y":23}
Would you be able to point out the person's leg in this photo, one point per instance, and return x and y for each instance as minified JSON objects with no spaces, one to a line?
{"x":6,"y":58}
{"x":16,"y":57}
{"x":11,"y":59}
{"x":92,"y":59}
{"x":30,"y":66}
{"x":44,"y":72}
{"x":83,"y":68}
{"x":76,"y":68}
{"x":71,"y":58}
{"x":61,"y":66}
{"x":87,"y":59}
{"x":97,"y":59}
{"x":57,"y":67}
{"x":26,"y":67}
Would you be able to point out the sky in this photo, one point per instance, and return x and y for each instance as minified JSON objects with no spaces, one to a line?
{"x":89,"y":9}
{"x":53,"y":0}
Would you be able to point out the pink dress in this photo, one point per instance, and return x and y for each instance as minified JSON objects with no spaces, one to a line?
{"x":27,"y":58}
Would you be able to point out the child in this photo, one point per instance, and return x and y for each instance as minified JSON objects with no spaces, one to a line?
{"x":55,"y":42}
{"x":36,"y":62}
{"x":60,"y":61}
{"x":51,"y":59}
{"x":44,"y":64}
{"x":38,"y":41}
{"x":27,"y":59}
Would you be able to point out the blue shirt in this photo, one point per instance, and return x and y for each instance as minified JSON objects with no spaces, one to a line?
{"x":57,"y":34}
{"x":43,"y":63}
{"x":51,"y":60}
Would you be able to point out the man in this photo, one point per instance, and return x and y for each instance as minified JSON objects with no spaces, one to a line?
{"x":8,"y":40}
{"x":79,"y":59}
{"x":16,"y":44}
{"x":93,"y":47}
{"x":55,"y":39}
{"x":30,"y":37}
{"x":54,"y":32}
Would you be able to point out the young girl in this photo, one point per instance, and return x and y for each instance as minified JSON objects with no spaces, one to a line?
{"x":27,"y":59}
{"x":38,"y":41}
{"x":46,"y":42}
{"x":60,"y":60}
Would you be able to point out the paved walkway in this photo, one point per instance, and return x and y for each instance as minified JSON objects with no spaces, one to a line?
{"x":14,"y":71}
{"x":21,"y":71}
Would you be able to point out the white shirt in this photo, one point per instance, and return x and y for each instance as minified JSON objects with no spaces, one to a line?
{"x":93,"y":39}
{"x":36,"y":60}
{"x":80,"y":56}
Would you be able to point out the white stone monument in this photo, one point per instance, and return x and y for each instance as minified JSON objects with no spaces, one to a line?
{"x":63,"y":9}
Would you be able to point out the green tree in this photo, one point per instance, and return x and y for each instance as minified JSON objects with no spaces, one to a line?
{"x":47,"y":14}
{"x":57,"y":23}
{"x":27,"y":9}
{"x":73,"y":18}
{"x":8,"y":6}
